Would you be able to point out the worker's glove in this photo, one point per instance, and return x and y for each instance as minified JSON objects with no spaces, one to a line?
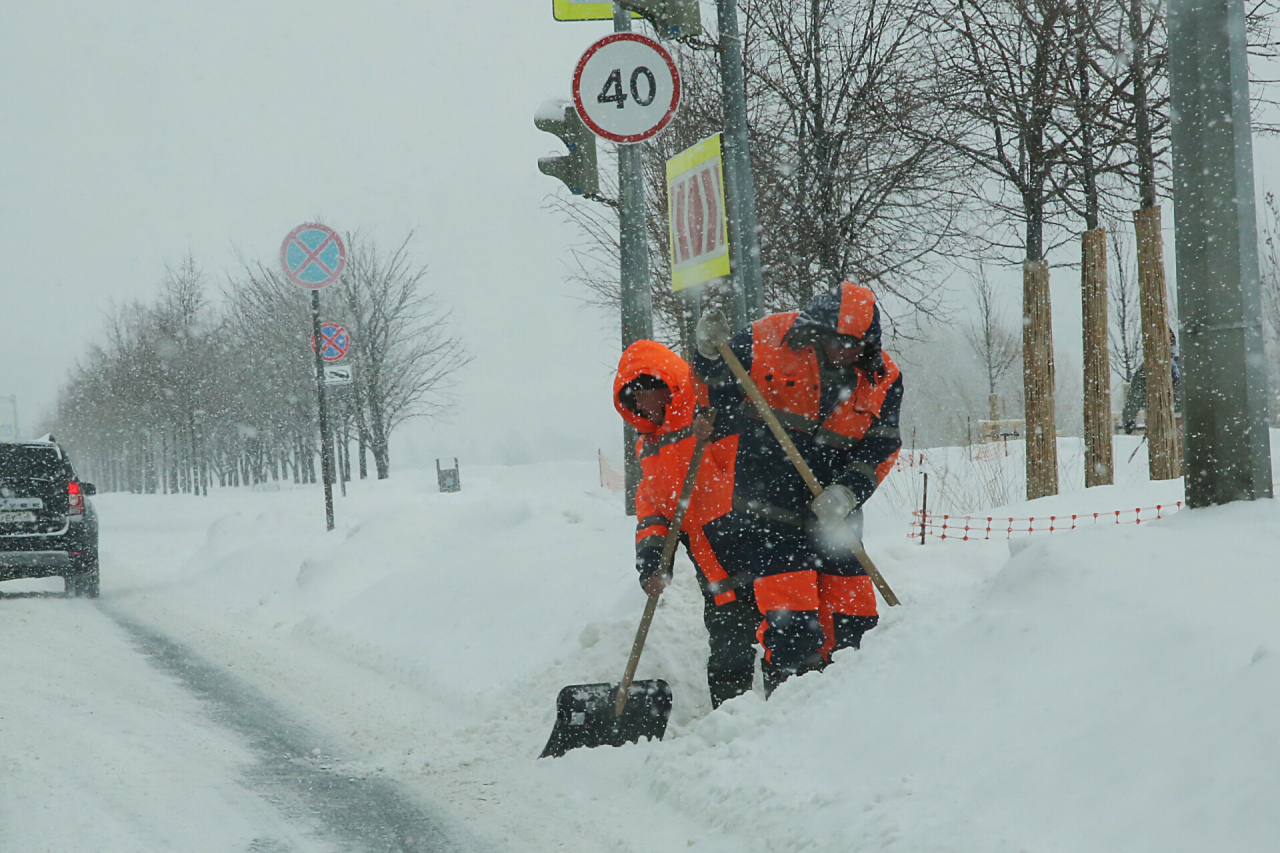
{"x":833,"y":505}
{"x":648,"y":564}
{"x":712,"y":333}
{"x":656,"y":583}
{"x":836,"y":526}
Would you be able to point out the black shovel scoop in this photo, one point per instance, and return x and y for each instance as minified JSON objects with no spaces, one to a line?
{"x":614,"y":714}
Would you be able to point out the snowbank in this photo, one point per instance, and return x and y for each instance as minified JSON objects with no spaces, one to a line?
{"x":1106,"y":689}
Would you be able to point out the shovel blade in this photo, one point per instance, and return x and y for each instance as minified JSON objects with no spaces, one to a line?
{"x":584,"y":716}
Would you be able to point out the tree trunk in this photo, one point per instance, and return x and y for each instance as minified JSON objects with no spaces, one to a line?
{"x":1165,"y":455}
{"x":1037,"y":380}
{"x":1098,"y":462}
{"x":378,"y":433}
{"x":362,"y":429}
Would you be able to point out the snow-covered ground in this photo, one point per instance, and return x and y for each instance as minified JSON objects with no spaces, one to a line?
{"x":1102,"y":690}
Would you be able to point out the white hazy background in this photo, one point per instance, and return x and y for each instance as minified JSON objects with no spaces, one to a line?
{"x":136,"y":133}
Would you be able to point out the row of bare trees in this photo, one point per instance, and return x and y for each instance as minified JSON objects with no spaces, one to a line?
{"x":186,"y":392}
{"x":894,"y":140}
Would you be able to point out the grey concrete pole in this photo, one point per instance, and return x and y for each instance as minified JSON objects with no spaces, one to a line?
{"x":1227,"y":451}
{"x":633,"y":239}
{"x":747,"y":303}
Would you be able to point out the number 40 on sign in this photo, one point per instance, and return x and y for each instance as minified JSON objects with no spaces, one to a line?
{"x":626,"y":88}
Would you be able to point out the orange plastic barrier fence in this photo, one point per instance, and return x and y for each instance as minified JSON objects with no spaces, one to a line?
{"x":979,"y":528}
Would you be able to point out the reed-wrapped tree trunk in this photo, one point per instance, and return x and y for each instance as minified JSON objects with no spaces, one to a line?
{"x":1038,"y":381}
{"x":1165,"y":455}
{"x":1099,"y":462}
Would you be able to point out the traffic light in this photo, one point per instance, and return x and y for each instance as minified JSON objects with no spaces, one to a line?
{"x":577,"y":168}
{"x":673,"y":18}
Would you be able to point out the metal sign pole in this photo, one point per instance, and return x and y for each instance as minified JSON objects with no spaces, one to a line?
{"x":326,"y":440}
{"x":1228,"y":456}
{"x":637,"y":302}
{"x":313,"y":256}
{"x":747,"y":304}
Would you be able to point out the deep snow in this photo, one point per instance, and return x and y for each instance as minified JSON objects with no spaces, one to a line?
{"x":1105,"y":689}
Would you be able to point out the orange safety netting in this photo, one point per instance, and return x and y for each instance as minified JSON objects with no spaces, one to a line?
{"x":610,"y":477}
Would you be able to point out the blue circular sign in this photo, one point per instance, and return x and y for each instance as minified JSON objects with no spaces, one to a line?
{"x":313,"y":256}
{"x":335,"y":342}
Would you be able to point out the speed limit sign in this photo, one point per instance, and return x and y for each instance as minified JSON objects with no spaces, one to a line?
{"x":626,"y":87}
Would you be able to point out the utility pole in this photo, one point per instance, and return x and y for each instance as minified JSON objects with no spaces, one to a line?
{"x":1228,"y":455}
{"x":747,"y":302}
{"x":633,"y":239}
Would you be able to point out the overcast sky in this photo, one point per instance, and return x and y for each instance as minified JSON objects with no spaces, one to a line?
{"x":134,"y":133}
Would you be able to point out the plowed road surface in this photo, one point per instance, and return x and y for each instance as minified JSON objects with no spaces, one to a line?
{"x":114,"y":738}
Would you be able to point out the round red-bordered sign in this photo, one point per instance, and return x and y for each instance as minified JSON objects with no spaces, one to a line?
{"x":336,"y":341}
{"x":626,"y":88}
{"x":313,"y":256}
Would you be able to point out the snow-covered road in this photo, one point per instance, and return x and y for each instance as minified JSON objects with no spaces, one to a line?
{"x":1104,"y":689}
{"x":117,"y":738}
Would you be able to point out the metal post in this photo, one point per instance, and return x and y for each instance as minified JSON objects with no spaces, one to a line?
{"x":744,"y":229}
{"x":1227,"y":452}
{"x":326,"y":440}
{"x":633,"y":239}
{"x":924,"y":508}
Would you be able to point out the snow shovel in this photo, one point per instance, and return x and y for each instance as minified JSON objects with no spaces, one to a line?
{"x":614,"y":714}
{"x":789,"y":447}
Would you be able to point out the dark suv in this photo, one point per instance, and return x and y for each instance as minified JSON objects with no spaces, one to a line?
{"x":48,"y":527}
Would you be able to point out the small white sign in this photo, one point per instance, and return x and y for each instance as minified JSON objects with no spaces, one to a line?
{"x":337,"y":374}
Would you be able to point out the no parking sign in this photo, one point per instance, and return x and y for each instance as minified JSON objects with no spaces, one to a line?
{"x":335,"y":341}
{"x":313,"y":256}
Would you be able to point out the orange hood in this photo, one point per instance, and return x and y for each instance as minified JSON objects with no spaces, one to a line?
{"x":654,"y":359}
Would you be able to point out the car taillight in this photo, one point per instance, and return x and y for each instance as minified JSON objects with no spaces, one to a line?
{"x":75,"y":500}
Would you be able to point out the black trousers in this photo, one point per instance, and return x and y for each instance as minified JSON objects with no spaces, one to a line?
{"x":731,"y":629}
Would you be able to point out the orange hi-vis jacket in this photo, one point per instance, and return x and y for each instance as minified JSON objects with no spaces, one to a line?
{"x":844,"y":423}
{"x":789,"y":381}
{"x":665,"y":453}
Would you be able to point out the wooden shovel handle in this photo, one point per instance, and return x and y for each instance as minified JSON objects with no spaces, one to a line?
{"x":664,"y":568}
{"x":793,"y":453}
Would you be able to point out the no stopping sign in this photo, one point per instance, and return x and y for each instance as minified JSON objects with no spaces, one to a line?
{"x":626,"y":87}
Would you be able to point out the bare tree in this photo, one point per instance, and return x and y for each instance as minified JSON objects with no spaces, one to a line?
{"x":996,"y":347}
{"x":848,"y":194}
{"x":1126,"y":325}
{"x":1006,"y":64}
{"x":181,"y":394}
{"x":842,"y":190}
{"x":405,"y":352}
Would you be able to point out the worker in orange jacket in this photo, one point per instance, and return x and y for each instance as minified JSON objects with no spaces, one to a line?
{"x":838,"y":395}
{"x":657,"y":393}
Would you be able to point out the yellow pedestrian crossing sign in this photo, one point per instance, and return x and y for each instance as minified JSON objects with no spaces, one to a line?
{"x":583,"y":10}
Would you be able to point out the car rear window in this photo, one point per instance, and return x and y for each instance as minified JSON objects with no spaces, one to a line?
{"x":18,"y":460}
